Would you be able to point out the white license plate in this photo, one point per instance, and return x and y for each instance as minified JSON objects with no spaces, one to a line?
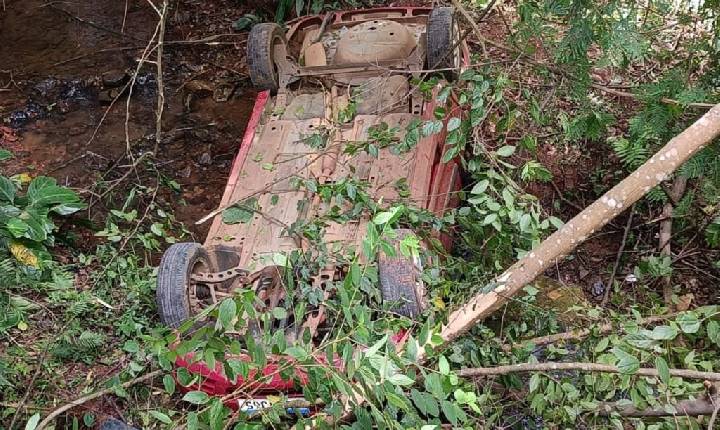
{"x":252,"y":405}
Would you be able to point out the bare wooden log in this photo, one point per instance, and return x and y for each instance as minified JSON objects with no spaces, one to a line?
{"x":594,"y":217}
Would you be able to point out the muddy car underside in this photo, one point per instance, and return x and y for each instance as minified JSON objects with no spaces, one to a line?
{"x":340,"y":106}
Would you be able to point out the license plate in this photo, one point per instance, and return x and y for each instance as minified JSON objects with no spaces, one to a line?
{"x":251,"y":406}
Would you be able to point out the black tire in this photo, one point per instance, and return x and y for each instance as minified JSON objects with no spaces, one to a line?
{"x":441,"y":37}
{"x":115,"y":424}
{"x":400,"y":282}
{"x":173,"y":279}
{"x":260,"y":47}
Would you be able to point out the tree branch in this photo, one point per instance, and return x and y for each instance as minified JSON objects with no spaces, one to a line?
{"x":84,"y":399}
{"x":584,"y":367}
{"x":583,"y":333}
{"x":494,"y":295}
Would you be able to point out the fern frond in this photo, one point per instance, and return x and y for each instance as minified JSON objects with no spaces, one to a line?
{"x":632,"y":153}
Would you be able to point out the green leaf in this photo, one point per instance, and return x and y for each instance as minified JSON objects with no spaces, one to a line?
{"x":534,"y":382}
{"x":626,"y":364}
{"x":5,"y":155}
{"x":444,"y":365}
{"x":663,"y":369}
{"x":600,"y":347}
{"x":375,"y":348}
{"x":33,"y":422}
{"x":161,"y":417}
{"x":713,"y":332}
{"x":688,"y":322}
{"x":431,"y":127}
{"x":297,"y":352}
{"x":506,"y":151}
{"x":157,"y":229}
{"x":452,"y":412}
{"x":196,"y":397}
{"x":387,"y":216}
{"x":169,"y":384}
{"x":279,"y":313}
{"x":131,"y":346}
{"x":453,"y":124}
{"x":226,"y":313}
{"x":480,"y":187}
{"x":400,"y":380}
{"x":43,"y":192}
{"x":663,"y":332}
{"x":242,"y":212}
{"x":7,"y":190}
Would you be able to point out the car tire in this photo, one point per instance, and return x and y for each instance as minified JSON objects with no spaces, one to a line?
{"x":400,"y":282}
{"x":441,"y":37}
{"x":115,"y":424}
{"x":173,"y":280}
{"x":260,"y":48}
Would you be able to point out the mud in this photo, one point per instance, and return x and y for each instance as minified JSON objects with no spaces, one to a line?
{"x":65,"y":63}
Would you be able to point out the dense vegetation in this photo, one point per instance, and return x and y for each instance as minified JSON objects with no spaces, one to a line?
{"x":564,"y":99}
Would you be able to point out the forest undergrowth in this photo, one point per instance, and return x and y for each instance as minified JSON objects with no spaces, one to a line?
{"x":563,"y":99}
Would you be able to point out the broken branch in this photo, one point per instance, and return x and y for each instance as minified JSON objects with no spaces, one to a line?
{"x":583,"y":333}
{"x":84,"y":399}
{"x":594,"y":217}
{"x":583,"y":367}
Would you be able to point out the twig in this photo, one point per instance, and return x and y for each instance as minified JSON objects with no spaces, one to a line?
{"x":473,"y":25}
{"x":665,"y":236}
{"x":323,"y":26}
{"x":665,"y":100}
{"x":584,"y":367}
{"x":19,"y":409}
{"x":611,"y":281}
{"x":713,"y":417}
{"x":84,"y":399}
{"x":160,"y":84}
{"x":92,"y":24}
{"x":130,"y":169}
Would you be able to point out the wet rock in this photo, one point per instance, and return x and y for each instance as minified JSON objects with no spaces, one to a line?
{"x":597,"y":289}
{"x":21,"y":117}
{"x":223,"y":92}
{"x":205,"y":159}
{"x":145,"y":85}
{"x":76,"y":91}
{"x":45,"y":86}
{"x":199,"y":88}
{"x":185,"y":173}
{"x":114,"y":78}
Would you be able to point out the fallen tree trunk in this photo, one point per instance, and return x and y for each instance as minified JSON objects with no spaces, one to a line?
{"x":594,"y":217}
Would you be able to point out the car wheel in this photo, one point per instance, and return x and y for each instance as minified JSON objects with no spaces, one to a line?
{"x":400,"y":282}
{"x":260,"y":48}
{"x":115,"y":424}
{"x":442,"y":37}
{"x":177,"y":298}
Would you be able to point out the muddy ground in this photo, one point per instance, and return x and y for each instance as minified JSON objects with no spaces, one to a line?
{"x":64,"y":111}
